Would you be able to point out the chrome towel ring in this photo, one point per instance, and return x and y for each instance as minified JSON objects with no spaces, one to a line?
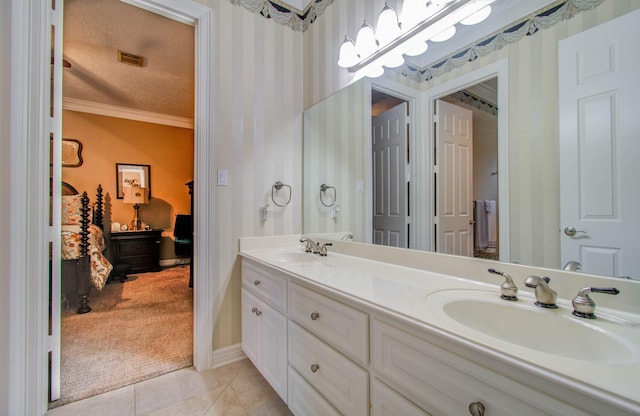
{"x":277,"y":187}
{"x":323,"y":189}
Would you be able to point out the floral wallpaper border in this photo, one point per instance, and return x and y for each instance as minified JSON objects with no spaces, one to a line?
{"x":545,"y":18}
{"x":284,"y":14}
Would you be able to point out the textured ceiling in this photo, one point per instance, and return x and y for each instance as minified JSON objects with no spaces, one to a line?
{"x":94,"y":30}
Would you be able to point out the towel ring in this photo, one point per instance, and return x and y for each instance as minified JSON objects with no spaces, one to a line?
{"x":276,"y":187}
{"x":324,"y":188}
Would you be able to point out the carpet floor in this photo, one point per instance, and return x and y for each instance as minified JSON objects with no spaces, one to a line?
{"x":137,"y":330}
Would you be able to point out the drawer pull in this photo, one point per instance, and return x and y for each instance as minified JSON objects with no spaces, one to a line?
{"x":254,"y":309}
{"x":256,"y":282}
{"x":315,"y":368}
{"x":314,"y":316}
{"x":476,"y":409}
{"x":258,"y":312}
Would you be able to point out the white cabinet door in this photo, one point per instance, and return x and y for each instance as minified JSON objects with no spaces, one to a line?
{"x":274,"y":349}
{"x":264,"y":341}
{"x":250,"y":327}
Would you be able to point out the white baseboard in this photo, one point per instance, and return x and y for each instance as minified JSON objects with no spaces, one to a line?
{"x":227,"y":355}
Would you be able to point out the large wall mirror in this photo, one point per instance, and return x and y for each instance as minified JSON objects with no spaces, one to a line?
{"x":513,"y":171}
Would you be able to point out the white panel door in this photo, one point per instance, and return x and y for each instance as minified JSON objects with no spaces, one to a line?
{"x":454,"y":180}
{"x":599,"y":135}
{"x":390,"y":217}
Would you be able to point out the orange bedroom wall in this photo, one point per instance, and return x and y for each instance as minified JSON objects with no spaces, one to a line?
{"x":107,"y":141}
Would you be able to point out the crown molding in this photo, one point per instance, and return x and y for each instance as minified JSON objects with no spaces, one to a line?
{"x":74,"y":104}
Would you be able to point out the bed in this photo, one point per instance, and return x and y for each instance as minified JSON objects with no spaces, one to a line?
{"x":83,"y":244}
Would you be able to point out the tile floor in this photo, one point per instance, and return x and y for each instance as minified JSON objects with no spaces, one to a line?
{"x":235,"y":389}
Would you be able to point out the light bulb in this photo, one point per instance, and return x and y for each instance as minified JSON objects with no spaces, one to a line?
{"x":348,"y":54}
{"x":388,"y":26}
{"x":366,"y":43}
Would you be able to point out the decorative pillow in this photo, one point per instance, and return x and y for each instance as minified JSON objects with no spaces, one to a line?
{"x":71,"y":209}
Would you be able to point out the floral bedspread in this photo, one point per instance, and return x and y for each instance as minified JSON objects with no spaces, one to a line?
{"x":100,"y":266}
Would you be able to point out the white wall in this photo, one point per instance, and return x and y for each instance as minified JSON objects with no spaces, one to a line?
{"x":334,"y":137}
{"x":258,"y":140}
{"x":5,"y":84}
{"x":532,"y":135}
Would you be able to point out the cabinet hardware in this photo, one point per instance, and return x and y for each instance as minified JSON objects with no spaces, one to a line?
{"x":314,"y":316}
{"x":315,"y":368}
{"x":476,"y":409}
{"x":256,"y":282}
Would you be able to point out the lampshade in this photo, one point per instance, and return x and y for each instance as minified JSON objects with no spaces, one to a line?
{"x":388,"y":27}
{"x":366,"y":43}
{"x":348,"y":54}
{"x":136,"y":195}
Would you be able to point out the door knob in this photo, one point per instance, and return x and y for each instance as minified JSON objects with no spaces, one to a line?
{"x":571,"y":231}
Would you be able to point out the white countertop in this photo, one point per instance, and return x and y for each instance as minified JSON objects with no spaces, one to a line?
{"x":404,"y":290}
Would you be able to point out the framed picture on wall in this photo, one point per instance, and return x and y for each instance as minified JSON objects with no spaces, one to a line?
{"x":129,"y":175}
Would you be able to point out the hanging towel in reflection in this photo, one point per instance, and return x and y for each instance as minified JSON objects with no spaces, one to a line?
{"x":481,"y":234}
{"x":492,"y":225}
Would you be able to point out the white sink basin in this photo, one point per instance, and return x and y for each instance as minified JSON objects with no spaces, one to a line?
{"x":292,"y":257}
{"x":479,"y":314}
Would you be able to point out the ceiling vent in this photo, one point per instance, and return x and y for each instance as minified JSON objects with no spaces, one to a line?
{"x":129,"y":58}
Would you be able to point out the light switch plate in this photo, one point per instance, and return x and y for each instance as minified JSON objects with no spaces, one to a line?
{"x":223,"y":177}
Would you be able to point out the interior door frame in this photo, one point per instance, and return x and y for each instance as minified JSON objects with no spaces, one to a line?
{"x":499,"y":69}
{"x":411,"y":96}
{"x":29,"y":190}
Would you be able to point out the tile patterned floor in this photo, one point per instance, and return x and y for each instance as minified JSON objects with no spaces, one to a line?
{"x":235,"y":389}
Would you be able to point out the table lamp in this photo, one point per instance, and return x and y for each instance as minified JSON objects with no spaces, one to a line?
{"x":136,"y":195}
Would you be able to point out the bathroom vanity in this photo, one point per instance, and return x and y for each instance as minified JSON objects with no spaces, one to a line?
{"x":372,"y":330}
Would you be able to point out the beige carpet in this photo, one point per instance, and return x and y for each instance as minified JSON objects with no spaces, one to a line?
{"x":138,"y":329}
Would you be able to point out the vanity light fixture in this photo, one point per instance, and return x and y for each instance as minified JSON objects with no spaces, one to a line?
{"x":422,"y":21}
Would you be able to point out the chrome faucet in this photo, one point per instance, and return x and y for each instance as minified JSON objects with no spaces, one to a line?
{"x":508,"y":289}
{"x":310,"y":246}
{"x":545,"y":296}
{"x":347,"y":237}
{"x":584,"y":306}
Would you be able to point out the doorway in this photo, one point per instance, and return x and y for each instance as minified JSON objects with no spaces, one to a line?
{"x":186,"y":193}
{"x":390,"y":154}
{"x":466,"y":173}
{"x":497,"y":71}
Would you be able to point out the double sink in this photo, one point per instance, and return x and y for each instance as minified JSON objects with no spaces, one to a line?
{"x":481,"y":315}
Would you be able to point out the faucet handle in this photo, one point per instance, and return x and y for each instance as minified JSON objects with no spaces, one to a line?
{"x":323,"y":248}
{"x":508,"y":289}
{"x":584,"y":306}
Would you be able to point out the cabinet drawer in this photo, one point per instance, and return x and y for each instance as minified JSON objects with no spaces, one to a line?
{"x":266,"y":285}
{"x":337,"y":378}
{"x":444,"y":384}
{"x":304,"y":400}
{"x":343,"y":327}
{"x":386,"y":402}
{"x":137,"y":262}
{"x":136,"y":247}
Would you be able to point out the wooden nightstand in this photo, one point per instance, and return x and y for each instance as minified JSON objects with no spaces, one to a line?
{"x":139,"y":249}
